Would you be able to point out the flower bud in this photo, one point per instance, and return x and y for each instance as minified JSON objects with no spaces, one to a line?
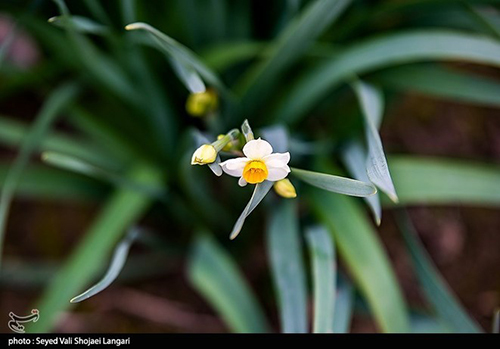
{"x":206,"y":154}
{"x":285,"y":188}
{"x":202,"y":103}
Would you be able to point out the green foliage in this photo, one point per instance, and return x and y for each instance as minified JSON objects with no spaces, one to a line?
{"x":313,"y":78}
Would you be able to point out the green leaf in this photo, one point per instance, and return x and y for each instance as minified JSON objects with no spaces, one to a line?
{"x":324,"y":271}
{"x":117,"y":262}
{"x":40,"y":182}
{"x":380,"y":52}
{"x":215,"y":275}
{"x":180,"y":53}
{"x":354,"y":157}
{"x":435,"y":287}
{"x":76,"y":165}
{"x":292,"y":43}
{"x":120,"y":211}
{"x":372,"y":105}
{"x":102,"y":68}
{"x":365,"y":257}
{"x":13,"y":132}
{"x":438,"y":181}
{"x":260,"y":191}
{"x":427,"y":324}
{"x":335,"y":184}
{"x":56,"y":102}
{"x":344,"y":305}
{"x":287,"y":268}
{"x":188,"y":76}
{"x":80,"y":24}
{"x":443,"y":82}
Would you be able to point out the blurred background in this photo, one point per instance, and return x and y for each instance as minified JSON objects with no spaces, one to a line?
{"x":94,"y":91}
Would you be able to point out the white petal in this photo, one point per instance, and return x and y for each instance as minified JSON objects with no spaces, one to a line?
{"x":234,"y":167}
{"x":277,"y":159}
{"x":242,"y":182}
{"x":275,"y":174}
{"x":257,"y":149}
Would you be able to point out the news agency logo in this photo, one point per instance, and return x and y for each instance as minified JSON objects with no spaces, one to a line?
{"x":16,"y":320}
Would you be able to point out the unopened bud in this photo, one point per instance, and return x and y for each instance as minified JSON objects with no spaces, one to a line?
{"x":202,"y":103}
{"x":206,"y":154}
{"x":285,"y":188}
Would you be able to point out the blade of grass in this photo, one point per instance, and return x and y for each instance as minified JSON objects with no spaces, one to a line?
{"x":372,"y":105}
{"x":120,"y":211}
{"x":336,"y":184}
{"x":442,"y":82}
{"x":284,"y":251}
{"x":324,"y":269}
{"x":436,"y":289}
{"x":380,"y":52}
{"x":292,"y":43}
{"x":344,"y":304}
{"x":117,"y":262}
{"x":215,"y":275}
{"x":56,"y":102}
{"x":438,"y":181}
{"x":364,"y":255}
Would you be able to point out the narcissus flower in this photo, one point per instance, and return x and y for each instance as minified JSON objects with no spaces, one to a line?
{"x":259,"y":164}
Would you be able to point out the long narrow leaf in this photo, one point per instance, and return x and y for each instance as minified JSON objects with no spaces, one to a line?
{"x":344,"y":305}
{"x":324,"y":271}
{"x":372,"y":105}
{"x":442,"y":82}
{"x":438,"y":181}
{"x":41,"y":182}
{"x":284,"y":249}
{"x":13,"y":132}
{"x":354,"y":157}
{"x":290,"y":45}
{"x":335,"y":184}
{"x":385,"y":51}
{"x":435,"y":288}
{"x":76,"y":165}
{"x":215,"y":275}
{"x":101,"y":67}
{"x":117,"y":262}
{"x":260,"y":191}
{"x":179,"y":52}
{"x":120,"y":211}
{"x":364,"y":255}
{"x":80,"y":24}
{"x":50,"y":110}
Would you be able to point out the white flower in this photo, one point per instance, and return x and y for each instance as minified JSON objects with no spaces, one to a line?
{"x":259,"y":164}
